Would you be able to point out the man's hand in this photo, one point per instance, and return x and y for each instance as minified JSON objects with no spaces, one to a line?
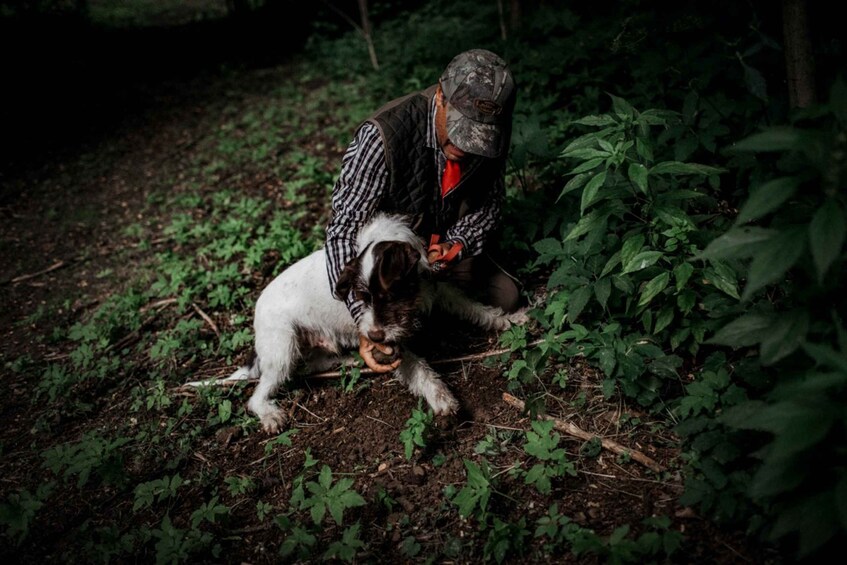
{"x":441,"y":255}
{"x":366,"y":350}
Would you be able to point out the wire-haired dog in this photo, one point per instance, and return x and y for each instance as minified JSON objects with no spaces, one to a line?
{"x":297,"y":320}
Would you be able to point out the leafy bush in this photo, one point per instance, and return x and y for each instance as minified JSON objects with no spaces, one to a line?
{"x":789,"y":236}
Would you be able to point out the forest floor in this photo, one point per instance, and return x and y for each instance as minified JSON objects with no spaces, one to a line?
{"x":66,"y":250}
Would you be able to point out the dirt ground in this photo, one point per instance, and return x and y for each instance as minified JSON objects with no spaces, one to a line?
{"x":64,"y":208}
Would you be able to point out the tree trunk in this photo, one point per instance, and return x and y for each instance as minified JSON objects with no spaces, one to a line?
{"x":515,"y":14}
{"x":502,"y":17}
{"x":366,"y":31}
{"x":799,"y":60}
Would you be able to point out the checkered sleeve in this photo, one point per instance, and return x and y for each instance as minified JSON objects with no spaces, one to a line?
{"x":474,"y":229}
{"x":362,"y":183}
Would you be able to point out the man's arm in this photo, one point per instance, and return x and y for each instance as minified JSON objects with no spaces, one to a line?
{"x":360,"y":186}
{"x":473,"y":230}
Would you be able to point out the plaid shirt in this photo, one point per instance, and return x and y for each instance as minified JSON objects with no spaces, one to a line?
{"x":361,"y":186}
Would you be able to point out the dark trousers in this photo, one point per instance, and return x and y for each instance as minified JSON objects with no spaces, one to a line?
{"x":482,"y":278}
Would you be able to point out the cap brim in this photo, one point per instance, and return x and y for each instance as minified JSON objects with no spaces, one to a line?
{"x":471,"y":136}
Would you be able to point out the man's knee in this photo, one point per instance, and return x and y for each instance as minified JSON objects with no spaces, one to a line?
{"x":503,"y":293}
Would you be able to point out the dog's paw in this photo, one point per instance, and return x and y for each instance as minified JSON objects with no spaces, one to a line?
{"x":270,"y":415}
{"x":273,"y":422}
{"x":441,"y":400}
{"x":518,"y":318}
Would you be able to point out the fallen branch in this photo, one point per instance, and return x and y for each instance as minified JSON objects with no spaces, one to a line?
{"x":575,"y":431}
{"x":239,"y":376}
{"x":80,"y":259}
{"x":50,"y":269}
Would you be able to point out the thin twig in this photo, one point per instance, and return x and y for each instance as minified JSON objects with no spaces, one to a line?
{"x":51,"y":268}
{"x":80,"y":259}
{"x":207,"y":319}
{"x":575,"y":431}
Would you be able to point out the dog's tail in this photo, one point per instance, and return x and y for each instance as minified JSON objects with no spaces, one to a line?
{"x":246,"y":372}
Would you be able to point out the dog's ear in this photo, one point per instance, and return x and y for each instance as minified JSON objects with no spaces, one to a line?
{"x":394,"y":261}
{"x":346,"y":279}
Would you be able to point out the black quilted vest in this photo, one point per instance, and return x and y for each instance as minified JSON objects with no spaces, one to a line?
{"x":412,"y":176}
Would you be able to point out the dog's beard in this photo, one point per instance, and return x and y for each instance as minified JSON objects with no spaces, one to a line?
{"x":399,"y":319}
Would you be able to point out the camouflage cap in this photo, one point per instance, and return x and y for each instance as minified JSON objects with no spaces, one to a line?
{"x":479,"y":89}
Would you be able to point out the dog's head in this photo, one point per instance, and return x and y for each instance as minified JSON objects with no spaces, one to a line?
{"x":387,"y":277}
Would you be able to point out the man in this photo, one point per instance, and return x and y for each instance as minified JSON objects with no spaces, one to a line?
{"x":438,"y":155}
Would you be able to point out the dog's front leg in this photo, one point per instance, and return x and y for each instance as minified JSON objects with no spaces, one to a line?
{"x":456,"y":302}
{"x":423,"y":381}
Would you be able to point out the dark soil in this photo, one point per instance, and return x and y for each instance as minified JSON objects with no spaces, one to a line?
{"x":64,"y":208}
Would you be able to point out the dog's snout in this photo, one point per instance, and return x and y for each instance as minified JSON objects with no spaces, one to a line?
{"x":376,"y":335}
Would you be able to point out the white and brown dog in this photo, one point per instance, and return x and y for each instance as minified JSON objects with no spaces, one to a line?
{"x":297,"y":320}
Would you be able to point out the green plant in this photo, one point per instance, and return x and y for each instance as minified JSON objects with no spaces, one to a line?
{"x":473,"y":499}
{"x":417,"y":430}
{"x":176,"y":545}
{"x":350,"y":375}
{"x":630,"y":253}
{"x":543,"y":444}
{"x":334,"y":498}
{"x":790,"y":237}
{"x":559,"y":530}
{"x":157,"y":490}
{"x":282,"y":439}
{"x":345,"y":548}
{"x":209,"y":511}
{"x":239,"y":485}
{"x":505,"y":539}
{"x":92,"y":454}
{"x":263,"y":509}
{"x":299,"y":541}
{"x":20,"y":508}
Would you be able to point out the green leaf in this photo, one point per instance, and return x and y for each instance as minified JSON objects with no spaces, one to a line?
{"x":586,"y":224}
{"x":630,"y":248}
{"x":826,"y":356}
{"x":600,"y":121}
{"x":674,"y":216}
{"x":644,"y":149}
{"x":613,"y":262}
{"x":656,"y":285}
{"x":642,"y":261}
{"x":767,"y":198}
{"x":756,"y":84}
{"x":638,"y":175}
{"x":826,"y":235}
{"x":585,"y":154}
{"x":548,"y":246}
{"x":587,"y":166}
{"x":681,"y":274}
{"x":577,"y":301}
{"x":621,"y":107}
{"x":786,"y":335}
{"x":773,"y":139}
{"x":602,"y":290}
{"x":776,"y":256}
{"x":664,"y":319}
{"x":589,"y":194}
{"x":678,"y":168}
{"x":746,"y":330}
{"x":722,"y":277}
{"x":575,"y":183}
{"x":737,"y":242}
